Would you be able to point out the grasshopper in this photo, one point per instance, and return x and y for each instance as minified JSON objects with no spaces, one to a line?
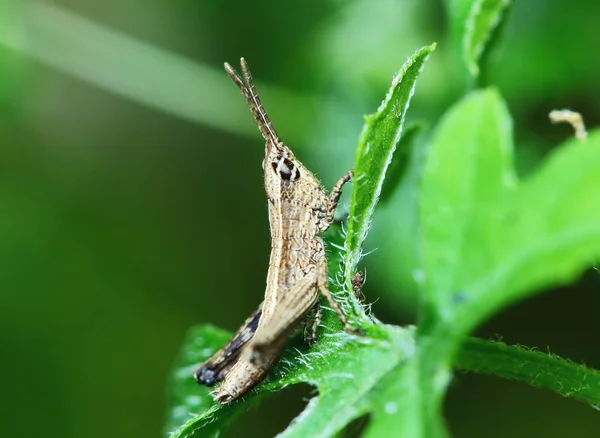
{"x":299,"y":209}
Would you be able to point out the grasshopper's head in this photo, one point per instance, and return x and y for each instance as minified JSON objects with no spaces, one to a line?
{"x":285,"y":176}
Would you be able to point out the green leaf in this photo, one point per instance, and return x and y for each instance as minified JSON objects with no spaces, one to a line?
{"x":381,"y":133}
{"x":473,"y":23}
{"x":386,"y":392}
{"x":486,"y":241}
{"x":469,"y":168}
{"x":346,"y":369}
{"x":400,"y":160}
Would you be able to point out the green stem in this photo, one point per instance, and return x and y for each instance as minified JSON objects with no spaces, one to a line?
{"x":541,"y":370}
{"x":436,"y":348}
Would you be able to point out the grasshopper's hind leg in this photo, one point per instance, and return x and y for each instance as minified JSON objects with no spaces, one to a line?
{"x":291,"y":308}
{"x":216,"y":368}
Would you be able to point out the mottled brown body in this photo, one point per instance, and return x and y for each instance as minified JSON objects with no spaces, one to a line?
{"x":299,"y":209}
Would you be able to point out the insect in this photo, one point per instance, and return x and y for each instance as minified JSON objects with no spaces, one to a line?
{"x":299,"y":209}
{"x":358,"y":280}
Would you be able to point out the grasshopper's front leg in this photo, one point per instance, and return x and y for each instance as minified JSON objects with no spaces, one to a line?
{"x":334,"y":196}
{"x":214,"y":369}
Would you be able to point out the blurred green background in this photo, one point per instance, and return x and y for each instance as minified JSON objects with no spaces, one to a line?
{"x":133,"y":206}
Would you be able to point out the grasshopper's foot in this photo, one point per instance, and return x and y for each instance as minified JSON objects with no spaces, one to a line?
{"x":222,"y":396}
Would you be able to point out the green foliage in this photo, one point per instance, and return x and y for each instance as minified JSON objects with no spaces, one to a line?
{"x":376,"y":147}
{"x":538,"y":369}
{"x":397,"y":167}
{"x":486,"y":240}
{"x":525,"y":229}
{"x":341,"y":366}
{"x":337,"y":366}
{"x":130,"y":187}
{"x":473,"y":23}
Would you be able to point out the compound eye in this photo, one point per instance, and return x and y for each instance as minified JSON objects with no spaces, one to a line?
{"x":286,"y":170}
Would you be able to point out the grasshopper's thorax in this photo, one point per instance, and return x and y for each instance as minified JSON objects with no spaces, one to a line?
{"x":297,"y":206}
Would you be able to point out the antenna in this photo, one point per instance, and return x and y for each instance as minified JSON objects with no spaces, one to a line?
{"x":248,"y":90}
